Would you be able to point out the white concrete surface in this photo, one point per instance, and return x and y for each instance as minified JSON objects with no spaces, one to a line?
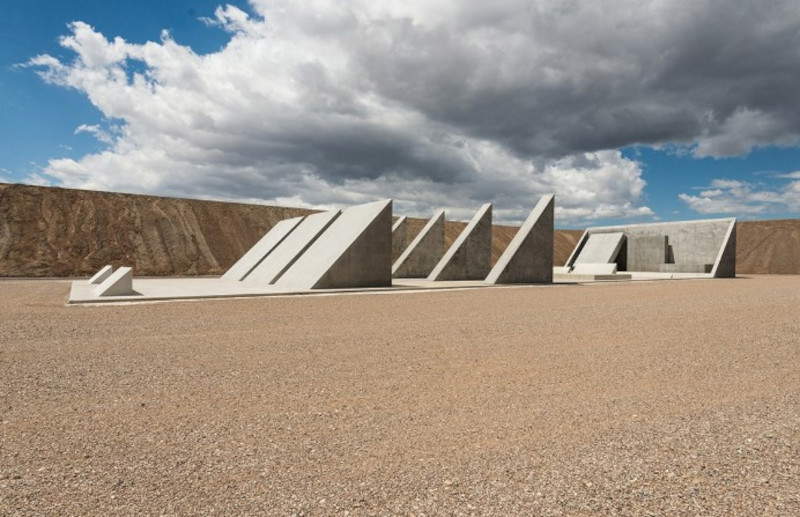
{"x":118,"y":283}
{"x":253,"y":257}
{"x":293,"y":246}
{"x":101,"y":275}
{"x":594,"y":269}
{"x":354,"y":251}
{"x":600,"y":248}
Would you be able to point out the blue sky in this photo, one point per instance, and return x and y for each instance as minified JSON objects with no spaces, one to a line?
{"x":322,"y":105}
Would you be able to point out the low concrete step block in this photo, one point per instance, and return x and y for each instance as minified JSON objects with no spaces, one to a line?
{"x":101,"y":275}
{"x":119,"y":283}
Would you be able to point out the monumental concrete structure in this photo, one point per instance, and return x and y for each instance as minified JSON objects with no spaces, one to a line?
{"x":399,"y":231}
{"x":354,"y":251}
{"x":424,"y":252}
{"x":703,"y":248}
{"x":101,"y":275}
{"x":291,"y":248}
{"x":528,"y":258}
{"x":261,"y":249}
{"x":118,"y":283}
{"x":470,"y":255}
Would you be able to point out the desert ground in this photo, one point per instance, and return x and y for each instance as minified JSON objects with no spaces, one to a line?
{"x":638,"y":398}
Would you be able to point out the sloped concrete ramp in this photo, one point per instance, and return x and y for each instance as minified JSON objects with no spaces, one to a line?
{"x":470,"y":255}
{"x":261,"y":249}
{"x":118,"y":283}
{"x":424,"y":252}
{"x":293,"y":246}
{"x":354,"y":251}
{"x":528,"y":258}
{"x":601,"y":248}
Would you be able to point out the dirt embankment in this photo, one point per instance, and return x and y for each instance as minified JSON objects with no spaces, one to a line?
{"x":47,"y":231}
{"x":768,"y":247}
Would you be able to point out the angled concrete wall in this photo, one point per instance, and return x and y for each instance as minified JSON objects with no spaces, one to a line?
{"x":261,"y":249}
{"x":424,"y":252}
{"x":725,"y":265}
{"x":101,"y":275}
{"x":354,"y":251}
{"x":399,"y":231}
{"x":293,"y":246}
{"x":601,"y":248}
{"x":470,"y":256}
{"x":119,"y":283}
{"x":528,"y":258}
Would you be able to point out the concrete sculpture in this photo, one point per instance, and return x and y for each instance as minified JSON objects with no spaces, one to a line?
{"x":101,"y":275}
{"x":701,"y":248}
{"x":470,"y":255}
{"x":399,"y":231}
{"x":354,"y":251}
{"x":291,"y":248}
{"x":261,"y":249}
{"x":528,"y":258}
{"x":118,"y":283}
{"x":424,"y":252}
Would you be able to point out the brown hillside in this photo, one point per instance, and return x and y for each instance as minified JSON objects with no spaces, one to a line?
{"x":768,"y":247}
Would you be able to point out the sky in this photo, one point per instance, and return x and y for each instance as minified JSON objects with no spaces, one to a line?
{"x":630,"y":111}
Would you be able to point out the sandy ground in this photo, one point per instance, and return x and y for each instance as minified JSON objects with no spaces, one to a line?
{"x":662,"y":398}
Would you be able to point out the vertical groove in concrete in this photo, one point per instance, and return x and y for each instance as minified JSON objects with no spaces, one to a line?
{"x":469,"y":257}
{"x":354,"y":251}
{"x":258,"y":252}
{"x":528,"y":258}
{"x":422,"y":255}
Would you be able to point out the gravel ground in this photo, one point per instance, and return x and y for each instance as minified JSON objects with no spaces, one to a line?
{"x":650,"y":398}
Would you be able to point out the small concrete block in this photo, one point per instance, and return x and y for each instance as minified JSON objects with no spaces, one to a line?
{"x":424,"y":252}
{"x":528,"y":258}
{"x":354,"y":251}
{"x":470,"y":255}
{"x":291,"y":248}
{"x":561,"y":270}
{"x":261,"y":249}
{"x":119,"y":283}
{"x":594,"y":269}
{"x":101,"y":275}
{"x":399,"y":231}
{"x":601,"y":248}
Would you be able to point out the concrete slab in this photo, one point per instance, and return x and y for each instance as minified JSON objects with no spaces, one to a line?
{"x":594,"y":269}
{"x":399,"y":233}
{"x":101,"y":275}
{"x":354,"y":251}
{"x":528,"y":258}
{"x":600,"y":248}
{"x":262,"y":249}
{"x":424,"y":252}
{"x":293,"y":246}
{"x":118,"y":283}
{"x":470,"y":255}
{"x":573,"y":278}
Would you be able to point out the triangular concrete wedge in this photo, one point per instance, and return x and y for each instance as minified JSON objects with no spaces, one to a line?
{"x":470,"y":256}
{"x":101,"y":275}
{"x":355,"y":251}
{"x":119,"y":283}
{"x":528,"y":258}
{"x":725,"y":265}
{"x":292,"y":248}
{"x":261,"y":249}
{"x":399,"y":231}
{"x":601,"y":248}
{"x":421,"y":256}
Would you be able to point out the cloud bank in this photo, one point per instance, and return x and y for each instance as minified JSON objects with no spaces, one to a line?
{"x":434,"y":102}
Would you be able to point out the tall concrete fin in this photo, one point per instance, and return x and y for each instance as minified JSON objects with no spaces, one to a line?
{"x":528,"y":258}
{"x":261,"y":249}
{"x":118,"y":283}
{"x":470,"y":255}
{"x":355,"y":251}
{"x":725,"y":265}
{"x":291,"y":248}
{"x":399,"y":232}
{"x":424,"y":252}
{"x":601,"y":248}
{"x":101,"y":275}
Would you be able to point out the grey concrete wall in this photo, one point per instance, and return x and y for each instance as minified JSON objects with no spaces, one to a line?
{"x":354,"y":251}
{"x":470,"y":255}
{"x":691,"y":243}
{"x":424,"y":252}
{"x":645,"y":252}
{"x":725,"y":266}
{"x":399,"y":231}
{"x":528,"y":258}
